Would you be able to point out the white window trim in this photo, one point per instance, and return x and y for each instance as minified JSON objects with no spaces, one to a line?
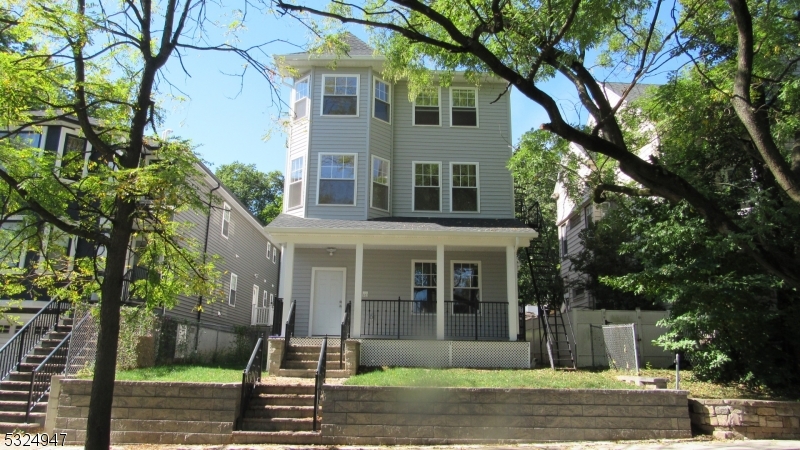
{"x":413,"y":285}
{"x":274,"y":255}
{"x":269,"y":249}
{"x":477,"y":110}
{"x":62,"y":140}
{"x":477,"y":186}
{"x":452,"y":281}
{"x":307,"y":79}
{"x":389,"y":185}
{"x":322,"y":94}
{"x":414,"y":184}
{"x":71,"y":252}
{"x":304,"y":180}
{"x":23,"y":251}
{"x":225,"y":208}
{"x":355,"y":177}
{"x":256,"y":294}
{"x":414,"y":110}
{"x":374,"y":98}
{"x":233,"y":281}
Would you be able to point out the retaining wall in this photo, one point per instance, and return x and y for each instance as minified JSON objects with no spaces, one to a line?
{"x":754,"y":419}
{"x":149,"y":412}
{"x":427,"y":416}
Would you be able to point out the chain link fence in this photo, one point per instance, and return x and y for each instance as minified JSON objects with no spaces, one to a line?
{"x":620,"y":342}
{"x":83,"y":343}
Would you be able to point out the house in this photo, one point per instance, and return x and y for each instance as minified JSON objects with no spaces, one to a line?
{"x":403,"y":209}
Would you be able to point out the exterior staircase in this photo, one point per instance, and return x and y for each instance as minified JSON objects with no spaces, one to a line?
{"x":15,"y":389}
{"x":279,"y":415}
{"x":560,"y":339}
{"x":300,"y":361}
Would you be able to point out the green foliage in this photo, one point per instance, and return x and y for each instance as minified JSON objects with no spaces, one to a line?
{"x":261,"y":192}
{"x":135,"y":324}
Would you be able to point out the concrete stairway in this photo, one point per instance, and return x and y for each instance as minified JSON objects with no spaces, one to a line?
{"x":301,"y":362}
{"x":280,"y":408}
{"x":14,"y":390}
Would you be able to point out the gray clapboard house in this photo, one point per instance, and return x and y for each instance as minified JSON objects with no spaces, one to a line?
{"x":402,"y":209}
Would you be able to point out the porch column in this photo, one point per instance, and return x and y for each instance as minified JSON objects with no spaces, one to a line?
{"x":359,"y":290}
{"x":440,"y":285}
{"x":511,"y":289}
{"x":287,"y":281}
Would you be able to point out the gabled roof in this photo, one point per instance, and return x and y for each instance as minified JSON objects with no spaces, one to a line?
{"x":357,"y":47}
{"x":637,"y":91}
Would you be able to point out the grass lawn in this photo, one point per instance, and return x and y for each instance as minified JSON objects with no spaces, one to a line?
{"x":184,"y":373}
{"x":541,"y":378}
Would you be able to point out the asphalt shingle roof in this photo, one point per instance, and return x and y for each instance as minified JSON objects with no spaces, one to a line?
{"x":401,"y":224}
{"x":638,"y":90}
{"x":357,"y":46}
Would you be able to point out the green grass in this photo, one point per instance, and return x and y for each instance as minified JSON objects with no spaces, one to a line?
{"x":184,"y":373}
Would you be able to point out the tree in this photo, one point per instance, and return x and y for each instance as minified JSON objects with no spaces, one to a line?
{"x":100,"y":64}
{"x":526,"y":44}
{"x":261,"y":192}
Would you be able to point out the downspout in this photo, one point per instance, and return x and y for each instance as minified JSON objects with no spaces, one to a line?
{"x":205,"y":249}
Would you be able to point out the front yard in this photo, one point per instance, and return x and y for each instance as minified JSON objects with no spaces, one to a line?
{"x":183,"y":373}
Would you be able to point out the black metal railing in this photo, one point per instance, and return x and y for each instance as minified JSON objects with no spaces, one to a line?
{"x":345,"y":335}
{"x":287,"y":338}
{"x":397,"y":318}
{"x":277,"y":317}
{"x":478,"y":320}
{"x":29,"y":335}
{"x":319,"y":379}
{"x":522,"y":334}
{"x":250,"y":377}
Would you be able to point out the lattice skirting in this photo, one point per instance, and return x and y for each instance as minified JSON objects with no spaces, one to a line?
{"x":315,"y":341}
{"x":473,"y":354}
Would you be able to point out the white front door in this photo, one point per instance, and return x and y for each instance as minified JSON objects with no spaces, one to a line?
{"x":326,"y":303}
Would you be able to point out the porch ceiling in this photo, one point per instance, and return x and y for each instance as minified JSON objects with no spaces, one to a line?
{"x":431,"y":247}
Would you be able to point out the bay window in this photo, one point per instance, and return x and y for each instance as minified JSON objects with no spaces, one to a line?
{"x":382,"y":108}
{"x":340,"y":95}
{"x":301,"y":101}
{"x":380,"y":183}
{"x":295,"y":197}
{"x":337,"y":179}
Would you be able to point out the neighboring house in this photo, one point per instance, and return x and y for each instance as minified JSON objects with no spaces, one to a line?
{"x":572,"y":218}
{"x":403,"y":209}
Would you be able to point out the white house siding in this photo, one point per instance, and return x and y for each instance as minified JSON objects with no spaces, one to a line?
{"x":334,"y":134}
{"x":488,"y":145}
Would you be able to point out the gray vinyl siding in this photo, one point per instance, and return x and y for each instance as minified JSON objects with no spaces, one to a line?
{"x":304,"y":260}
{"x":298,"y":146}
{"x":331,"y":134}
{"x":574,"y":246}
{"x":488,"y":145}
{"x":380,"y":144}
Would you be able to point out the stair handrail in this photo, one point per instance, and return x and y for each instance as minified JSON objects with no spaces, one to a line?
{"x":90,"y":346}
{"x":574,"y":343}
{"x":549,"y":335}
{"x":41,"y":377}
{"x":345,"y":334}
{"x":319,"y":379}
{"x":287,"y":338}
{"x":29,"y":335}
{"x":250,"y":376}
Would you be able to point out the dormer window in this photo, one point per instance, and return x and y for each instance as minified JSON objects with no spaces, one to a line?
{"x":340,"y":95}
{"x":464,"y":107}
{"x":301,"y":99}
{"x":383,"y":104}
{"x":426,"y":108}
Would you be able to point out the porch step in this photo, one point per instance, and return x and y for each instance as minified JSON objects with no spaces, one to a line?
{"x":278,"y":424}
{"x":304,"y":389}
{"x":12,"y":427}
{"x":308,"y":373}
{"x":19,"y":417}
{"x":261,"y":401}
{"x":278,"y":437}
{"x":276,"y":411}
{"x":310,"y":365}
{"x":20,"y":405}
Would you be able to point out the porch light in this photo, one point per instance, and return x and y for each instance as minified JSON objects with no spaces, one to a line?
{"x":331,"y":250}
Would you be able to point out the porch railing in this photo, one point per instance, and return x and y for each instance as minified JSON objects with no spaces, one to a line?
{"x":261,"y":315}
{"x":479,"y":320}
{"x":277,"y":317}
{"x":29,"y":335}
{"x":396,"y":318}
{"x":289,"y":328}
{"x":345,"y":334}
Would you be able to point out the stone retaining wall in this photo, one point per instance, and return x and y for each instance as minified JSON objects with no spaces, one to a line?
{"x":427,"y":416}
{"x":149,"y":412}
{"x":754,"y":419}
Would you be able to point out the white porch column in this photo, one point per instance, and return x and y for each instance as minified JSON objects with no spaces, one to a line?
{"x":441,"y":282}
{"x":511,"y":288}
{"x":359,"y":290}
{"x":287,"y":280}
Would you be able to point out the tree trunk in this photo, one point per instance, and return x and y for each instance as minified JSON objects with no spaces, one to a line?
{"x":98,"y":427}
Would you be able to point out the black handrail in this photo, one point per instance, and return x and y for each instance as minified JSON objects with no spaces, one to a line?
{"x":29,"y":335}
{"x":250,"y":376}
{"x":319,"y":378}
{"x":476,"y":320}
{"x":287,"y":338}
{"x":345,"y":334}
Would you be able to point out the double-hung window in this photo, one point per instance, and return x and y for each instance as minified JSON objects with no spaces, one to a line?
{"x":380,"y":183}
{"x":426,"y":108}
{"x":465,"y":186}
{"x":424,"y":287}
{"x":295,"y":183}
{"x":588,"y":215}
{"x":337,"y":179}
{"x":463,"y":107}
{"x":269,"y":249}
{"x":274,"y":255}
{"x":74,"y":158}
{"x":340,"y":95}
{"x":301,"y":100}
{"x":226,"y":219}
{"x":427,"y":186}
{"x":382,"y":108}
{"x":466,"y":287}
{"x":232,"y":289}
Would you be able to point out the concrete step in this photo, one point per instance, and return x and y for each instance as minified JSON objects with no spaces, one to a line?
{"x":304,"y":389}
{"x":274,"y":411}
{"x":277,"y":437}
{"x":310,"y":365}
{"x":12,"y":427}
{"x":311,"y":356}
{"x":20,"y":405}
{"x":304,"y":373}
{"x":19,"y":417}
{"x":277,"y":424}
{"x":262,"y":400}
{"x":8,"y":385}
{"x":20,"y":396}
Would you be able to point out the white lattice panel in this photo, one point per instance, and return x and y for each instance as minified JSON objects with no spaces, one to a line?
{"x":313,"y":341}
{"x":474,"y":354}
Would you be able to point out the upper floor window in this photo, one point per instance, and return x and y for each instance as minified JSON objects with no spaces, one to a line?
{"x":426,"y":107}
{"x":340,"y":95}
{"x":301,"y":98}
{"x":269,"y":249}
{"x":226,"y":219}
{"x":427,"y":186}
{"x":337,"y":179}
{"x":464,"y":196}
{"x":232,"y":289}
{"x":463,"y":107}
{"x":274,"y":255}
{"x":380,"y":183}
{"x":575,"y":221}
{"x":564,"y":248}
{"x":295,"y":197}
{"x":74,"y":157}
{"x":24,"y":138}
{"x":383,"y":103}
{"x":466,"y":287}
{"x":588,"y":214}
